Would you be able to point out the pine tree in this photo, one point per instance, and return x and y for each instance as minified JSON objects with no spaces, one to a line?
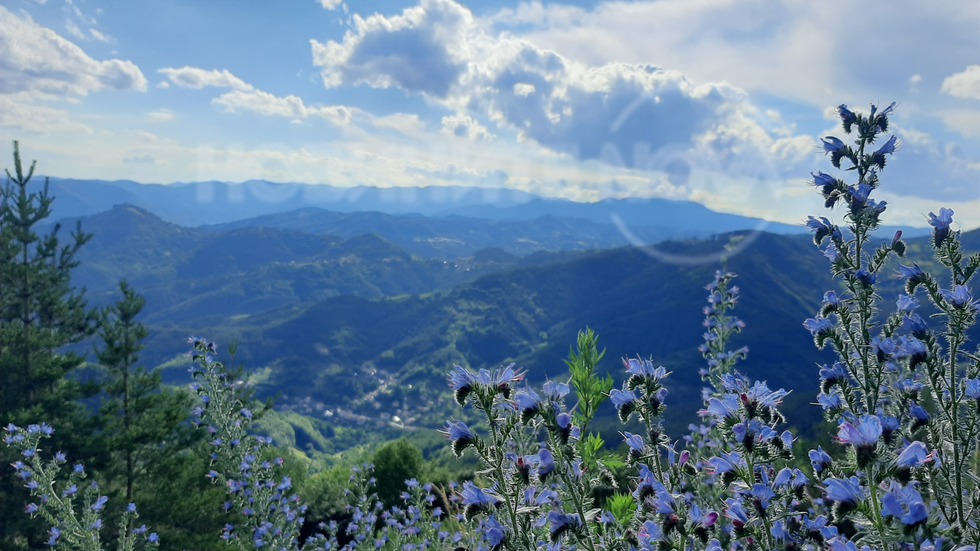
{"x":41,"y":314}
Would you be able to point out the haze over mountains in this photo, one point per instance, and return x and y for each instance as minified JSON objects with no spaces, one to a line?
{"x":359,"y":314}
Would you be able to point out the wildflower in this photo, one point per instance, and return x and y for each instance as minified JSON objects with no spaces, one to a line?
{"x":503,"y":380}
{"x":726,"y":407}
{"x":761,"y":495}
{"x":832,"y":376}
{"x":819,"y":459}
{"x":906,"y":504}
{"x":475,"y":499}
{"x":562,"y":522}
{"x":564,"y":423}
{"x":726,"y":464}
{"x":736,"y":513}
{"x":494,"y":533}
{"x":546,"y":464}
{"x":846,"y":493}
{"x":836,"y":148}
{"x":625,"y":402}
{"x":635,"y":444}
{"x":461,"y":381}
{"x":460,"y":436}
{"x":822,"y":228}
{"x":971,"y":389}
{"x":960,"y":298}
{"x":847,"y":117}
{"x":528,"y":404}
{"x":865,"y":433}
{"x":820,"y":327}
{"x":941,"y":225}
{"x":642,"y":371}
{"x":99,"y":503}
{"x":650,"y":536}
{"x":55,"y":535}
{"x":865,"y":278}
{"x":920,"y":417}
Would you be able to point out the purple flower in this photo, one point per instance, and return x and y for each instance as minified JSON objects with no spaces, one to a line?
{"x":818,"y":326}
{"x":906,"y":504}
{"x":866,"y":433}
{"x":836,"y":148}
{"x":546,"y":464}
{"x":460,"y":436}
{"x":494,"y":533}
{"x":528,"y":404}
{"x":736,"y":512}
{"x":726,"y":407}
{"x":625,"y":402}
{"x":461,"y":381}
{"x":475,"y":499}
{"x":941,"y":225}
{"x":55,"y":534}
{"x":726,"y":463}
{"x":635,"y":444}
{"x":844,"y":491}
{"x":642,"y":371}
{"x":914,"y":455}
{"x":960,"y":298}
{"x":651,"y":534}
{"x":562,"y":522}
{"x":821,"y":228}
{"x":847,"y":117}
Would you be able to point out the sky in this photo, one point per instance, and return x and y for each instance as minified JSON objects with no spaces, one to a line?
{"x":722,"y":102}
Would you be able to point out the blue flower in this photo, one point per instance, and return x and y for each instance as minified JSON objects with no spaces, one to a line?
{"x":461,"y":381}
{"x":99,"y":503}
{"x":625,"y":402}
{"x":460,"y":436}
{"x":650,"y":536}
{"x":546,"y":464}
{"x":836,"y":148}
{"x":476,"y":499}
{"x":643,"y":371}
{"x":55,"y":534}
{"x":844,"y":491}
{"x":635,"y":444}
{"x":960,"y":298}
{"x":887,"y":148}
{"x":906,"y":504}
{"x":562,"y":522}
{"x":528,"y":404}
{"x":818,"y":325}
{"x":736,"y":513}
{"x":941,"y":225}
{"x":494,"y":533}
{"x":726,"y":407}
{"x":761,"y":496}
{"x":865,"y":434}
{"x":847,"y":117}
{"x":819,"y":459}
{"x":821,"y":228}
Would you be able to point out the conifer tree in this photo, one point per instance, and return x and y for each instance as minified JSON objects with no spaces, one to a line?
{"x":41,"y":314}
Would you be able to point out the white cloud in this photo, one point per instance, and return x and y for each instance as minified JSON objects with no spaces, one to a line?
{"x":331,"y":4}
{"x":290,"y":107}
{"x":965,"y":84}
{"x":37,"y":59}
{"x":461,"y":124}
{"x":161,"y":115}
{"x":19,"y":115}
{"x":196,"y":78}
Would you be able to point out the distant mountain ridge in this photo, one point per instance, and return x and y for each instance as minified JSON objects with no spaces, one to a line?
{"x":203,"y":203}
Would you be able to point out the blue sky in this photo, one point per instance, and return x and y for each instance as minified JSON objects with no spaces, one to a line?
{"x":718,"y":101}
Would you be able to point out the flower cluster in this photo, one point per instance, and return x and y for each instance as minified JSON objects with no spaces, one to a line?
{"x":72,"y":509}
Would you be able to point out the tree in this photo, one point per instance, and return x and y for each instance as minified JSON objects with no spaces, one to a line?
{"x":40,"y":315}
{"x":394,"y":463}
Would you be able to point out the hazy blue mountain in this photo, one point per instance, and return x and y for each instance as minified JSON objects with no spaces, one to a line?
{"x":201,"y":203}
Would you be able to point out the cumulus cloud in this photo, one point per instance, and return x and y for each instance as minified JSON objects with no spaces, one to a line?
{"x":415,"y":51}
{"x":197,"y":78}
{"x":965,"y":84}
{"x":36,"y":59}
{"x":331,"y":4}
{"x":290,"y":107}
{"x":466,"y":126}
{"x":620,"y":114}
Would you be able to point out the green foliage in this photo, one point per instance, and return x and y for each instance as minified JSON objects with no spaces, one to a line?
{"x":590,"y":389}
{"x":394,"y":463}
{"x":40,"y":314}
{"x":622,"y":507}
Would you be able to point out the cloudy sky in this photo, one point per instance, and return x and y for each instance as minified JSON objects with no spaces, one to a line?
{"x":717,"y":101}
